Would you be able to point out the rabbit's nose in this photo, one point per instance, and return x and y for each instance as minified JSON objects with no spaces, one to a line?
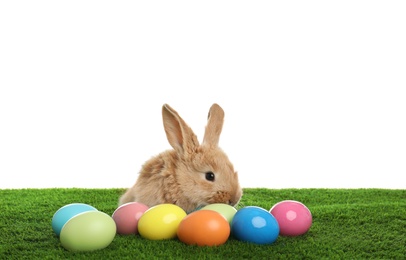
{"x":232,"y":202}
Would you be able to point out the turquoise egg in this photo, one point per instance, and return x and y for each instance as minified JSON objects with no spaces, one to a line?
{"x":66,"y":212}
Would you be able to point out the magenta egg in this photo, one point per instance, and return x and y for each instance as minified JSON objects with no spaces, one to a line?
{"x":293,"y":217}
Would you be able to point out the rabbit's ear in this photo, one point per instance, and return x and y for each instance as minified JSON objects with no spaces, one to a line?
{"x":178,"y":133}
{"x":214,"y":125}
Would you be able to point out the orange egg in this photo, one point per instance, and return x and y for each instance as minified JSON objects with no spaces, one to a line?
{"x":204,"y":228}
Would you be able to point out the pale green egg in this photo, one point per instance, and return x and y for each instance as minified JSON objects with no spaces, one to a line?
{"x":88,"y":231}
{"x":225,"y":210}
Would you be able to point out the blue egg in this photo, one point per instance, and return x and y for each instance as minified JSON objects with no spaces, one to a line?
{"x":66,"y":212}
{"x":255,"y":224}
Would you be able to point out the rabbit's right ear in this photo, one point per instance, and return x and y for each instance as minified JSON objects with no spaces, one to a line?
{"x":214,"y":125}
{"x":178,"y":133}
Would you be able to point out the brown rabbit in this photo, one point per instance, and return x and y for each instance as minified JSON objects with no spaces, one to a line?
{"x":191,"y":175}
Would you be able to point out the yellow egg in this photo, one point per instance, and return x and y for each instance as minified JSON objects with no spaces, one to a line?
{"x":88,"y":231}
{"x":160,"y":222}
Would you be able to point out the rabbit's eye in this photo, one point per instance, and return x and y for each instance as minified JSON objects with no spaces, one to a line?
{"x":210,"y":176}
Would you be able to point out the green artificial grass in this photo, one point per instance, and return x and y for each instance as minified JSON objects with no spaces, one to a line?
{"x":347,"y":224}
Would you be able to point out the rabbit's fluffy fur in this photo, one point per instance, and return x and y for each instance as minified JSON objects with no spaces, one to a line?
{"x":191,"y":175}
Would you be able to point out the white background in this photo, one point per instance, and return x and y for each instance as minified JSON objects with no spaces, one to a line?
{"x":313,"y":91}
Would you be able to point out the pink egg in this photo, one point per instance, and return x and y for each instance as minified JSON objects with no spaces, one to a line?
{"x":293,"y":217}
{"x":126,"y":217}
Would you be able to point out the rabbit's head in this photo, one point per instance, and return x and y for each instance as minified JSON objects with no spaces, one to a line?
{"x":204,"y":171}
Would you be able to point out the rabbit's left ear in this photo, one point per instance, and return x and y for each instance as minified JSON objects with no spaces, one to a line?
{"x":178,"y":133}
{"x":214,"y":125}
